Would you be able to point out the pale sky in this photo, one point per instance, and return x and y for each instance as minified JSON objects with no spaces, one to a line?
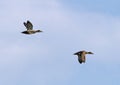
{"x":68,"y":26}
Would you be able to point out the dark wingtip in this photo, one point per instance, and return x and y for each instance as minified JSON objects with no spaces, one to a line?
{"x":24,"y":23}
{"x":75,"y":54}
{"x":28,"y":21}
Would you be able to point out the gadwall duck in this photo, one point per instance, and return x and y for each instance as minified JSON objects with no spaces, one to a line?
{"x":81,"y":56}
{"x":29,"y":28}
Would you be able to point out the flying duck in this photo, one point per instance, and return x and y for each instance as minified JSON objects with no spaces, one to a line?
{"x":81,"y":56}
{"x":29,"y":28}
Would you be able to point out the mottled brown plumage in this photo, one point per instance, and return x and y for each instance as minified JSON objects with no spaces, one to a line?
{"x":29,"y":28}
{"x":81,"y":56}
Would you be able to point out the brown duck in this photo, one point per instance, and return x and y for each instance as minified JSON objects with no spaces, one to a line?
{"x":29,"y":28}
{"x":81,"y":56}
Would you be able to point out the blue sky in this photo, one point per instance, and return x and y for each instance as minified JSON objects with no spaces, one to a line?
{"x":68,"y":26}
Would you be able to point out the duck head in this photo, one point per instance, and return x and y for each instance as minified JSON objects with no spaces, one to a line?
{"x":38,"y":31}
{"x":89,"y":53}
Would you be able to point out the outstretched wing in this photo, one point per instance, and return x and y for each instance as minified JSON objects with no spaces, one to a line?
{"x":78,"y":53}
{"x":28,"y":25}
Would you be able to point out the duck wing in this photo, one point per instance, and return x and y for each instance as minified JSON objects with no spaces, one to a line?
{"x":78,"y":53}
{"x":28,"y":25}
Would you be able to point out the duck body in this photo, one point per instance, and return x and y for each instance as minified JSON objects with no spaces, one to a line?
{"x":29,"y":28}
{"x":31,"y":31}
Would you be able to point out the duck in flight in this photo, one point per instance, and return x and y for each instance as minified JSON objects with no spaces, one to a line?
{"x":81,"y":56}
{"x":29,"y":28}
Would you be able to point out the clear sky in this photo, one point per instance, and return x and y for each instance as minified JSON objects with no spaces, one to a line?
{"x":68,"y":26}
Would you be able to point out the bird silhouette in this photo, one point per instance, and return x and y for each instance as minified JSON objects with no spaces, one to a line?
{"x":81,"y":56}
{"x":29,"y":28}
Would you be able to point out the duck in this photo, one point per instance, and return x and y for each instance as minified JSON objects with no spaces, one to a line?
{"x":81,"y":56}
{"x":29,"y":28}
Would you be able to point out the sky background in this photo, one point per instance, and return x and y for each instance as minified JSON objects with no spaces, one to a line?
{"x":68,"y":26}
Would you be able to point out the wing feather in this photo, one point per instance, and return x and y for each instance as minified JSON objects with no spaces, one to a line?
{"x":28,"y":25}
